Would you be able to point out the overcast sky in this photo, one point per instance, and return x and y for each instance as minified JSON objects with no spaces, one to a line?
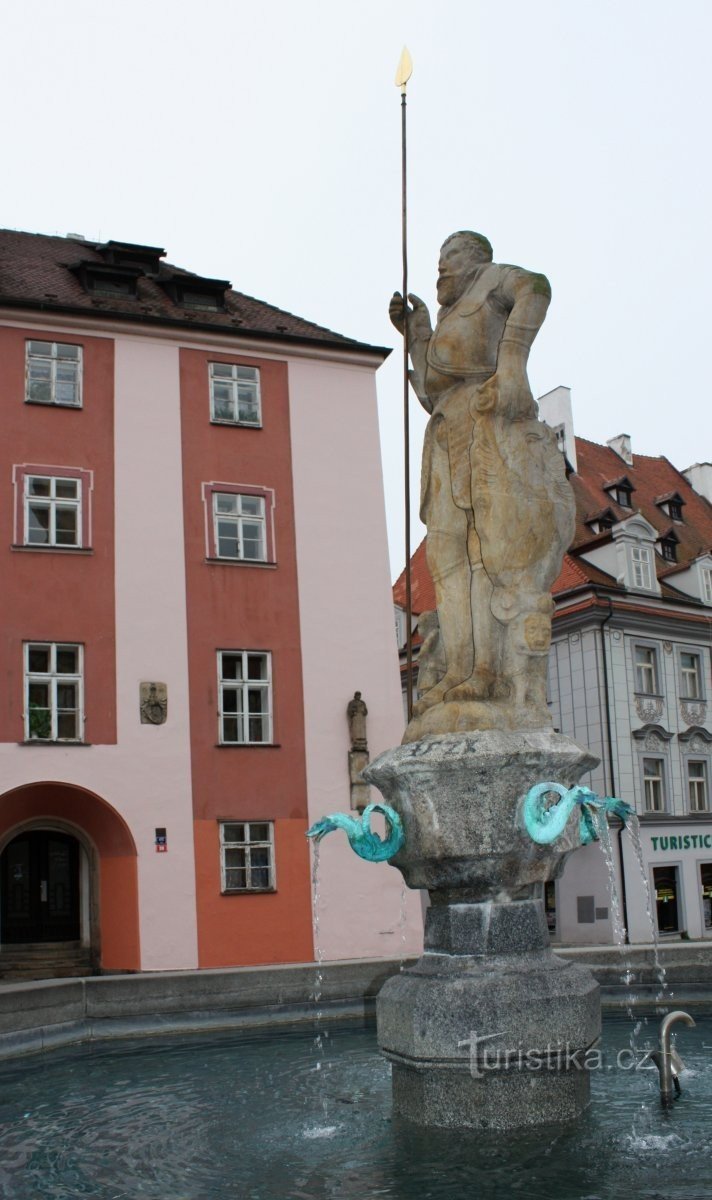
{"x":260,"y":142}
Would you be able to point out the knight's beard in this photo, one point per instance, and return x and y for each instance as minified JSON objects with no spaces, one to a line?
{"x":450,"y":288}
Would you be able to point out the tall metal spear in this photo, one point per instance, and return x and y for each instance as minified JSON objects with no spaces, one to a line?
{"x":403,"y":74}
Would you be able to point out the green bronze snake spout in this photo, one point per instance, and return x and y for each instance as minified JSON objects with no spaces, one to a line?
{"x":546,"y":822}
{"x":362,"y":839}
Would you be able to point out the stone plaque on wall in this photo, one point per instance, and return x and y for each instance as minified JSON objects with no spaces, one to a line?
{"x":153,"y":702}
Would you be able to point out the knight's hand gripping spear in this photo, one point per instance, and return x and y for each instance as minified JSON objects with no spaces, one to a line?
{"x":419,"y":333}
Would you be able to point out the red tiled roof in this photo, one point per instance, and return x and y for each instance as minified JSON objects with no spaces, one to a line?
{"x":421,"y":584}
{"x":35,"y":271}
{"x":652,"y":478}
{"x":576,"y":572}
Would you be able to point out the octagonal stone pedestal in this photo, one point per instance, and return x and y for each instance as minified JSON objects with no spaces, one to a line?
{"x":489,"y":1029}
{"x":493,"y":1037}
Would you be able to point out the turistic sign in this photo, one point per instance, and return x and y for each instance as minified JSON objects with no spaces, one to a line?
{"x":683,"y":841}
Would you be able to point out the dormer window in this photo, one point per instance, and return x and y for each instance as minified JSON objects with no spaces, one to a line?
{"x":621,"y":493}
{"x":601,"y":521}
{"x":192,"y":291}
{"x":671,"y":504}
{"x":202,"y":300}
{"x":114,"y":287}
{"x":601,"y":525}
{"x":126,"y":254}
{"x":668,"y":546}
{"x":107,"y":279}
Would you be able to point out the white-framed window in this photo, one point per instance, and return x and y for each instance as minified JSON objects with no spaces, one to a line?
{"x":654,"y":784}
{"x":52,"y":506}
{"x":240,"y":528}
{"x":642,"y":568}
{"x":53,"y":374}
{"x":646,"y":670}
{"x":247,"y":856}
{"x":690,"y":676}
{"x":707,"y":584}
{"x":52,"y":511}
{"x":235,"y":394}
{"x":245,"y":690}
{"x":697,"y":785}
{"x":53,"y":692}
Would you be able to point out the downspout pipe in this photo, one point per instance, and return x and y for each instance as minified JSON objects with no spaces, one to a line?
{"x":611,"y":767}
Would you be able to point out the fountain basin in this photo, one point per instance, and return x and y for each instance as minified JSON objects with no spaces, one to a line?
{"x":225,"y":1117}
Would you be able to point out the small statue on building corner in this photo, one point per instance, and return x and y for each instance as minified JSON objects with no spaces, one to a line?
{"x":357,"y":712}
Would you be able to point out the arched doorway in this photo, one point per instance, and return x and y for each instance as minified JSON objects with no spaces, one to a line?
{"x":68,"y":883}
{"x":40,"y":888}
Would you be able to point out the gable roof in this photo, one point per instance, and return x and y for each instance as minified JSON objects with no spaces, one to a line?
{"x":36,"y":272}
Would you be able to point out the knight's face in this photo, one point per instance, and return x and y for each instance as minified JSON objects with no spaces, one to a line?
{"x":456,"y":270}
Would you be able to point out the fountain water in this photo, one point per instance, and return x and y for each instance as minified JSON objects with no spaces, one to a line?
{"x":619,"y":930}
{"x":634,"y":833}
{"x":319,"y":956}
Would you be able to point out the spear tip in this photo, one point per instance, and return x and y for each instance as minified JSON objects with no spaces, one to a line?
{"x":405,"y":69}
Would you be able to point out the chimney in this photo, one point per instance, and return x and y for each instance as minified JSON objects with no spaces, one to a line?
{"x":621,"y":445}
{"x":699,"y":477}
{"x":556,"y":412}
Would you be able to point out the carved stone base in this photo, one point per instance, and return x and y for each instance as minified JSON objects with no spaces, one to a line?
{"x":489,"y":1029}
{"x":459,"y":797}
{"x":459,"y":716}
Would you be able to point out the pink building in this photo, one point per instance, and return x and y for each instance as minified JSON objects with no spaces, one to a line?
{"x":195,"y":582}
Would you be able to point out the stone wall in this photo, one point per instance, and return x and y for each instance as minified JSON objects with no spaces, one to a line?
{"x":46,"y":1014}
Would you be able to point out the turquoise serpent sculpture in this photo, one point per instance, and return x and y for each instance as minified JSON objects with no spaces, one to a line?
{"x":545,"y":822}
{"x":362,"y":839}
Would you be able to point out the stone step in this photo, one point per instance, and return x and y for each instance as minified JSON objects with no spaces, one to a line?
{"x":44,"y":960}
{"x":39,"y":947}
{"x":69,"y":972}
